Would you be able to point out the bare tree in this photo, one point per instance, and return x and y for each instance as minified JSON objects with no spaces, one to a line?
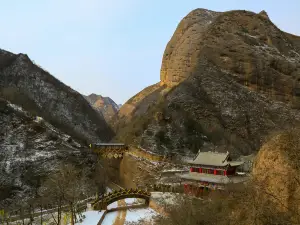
{"x":63,"y":187}
{"x":96,"y":179}
{"x":238,"y":204}
{"x":69,"y":185}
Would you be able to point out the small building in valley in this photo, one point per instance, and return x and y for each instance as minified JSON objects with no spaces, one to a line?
{"x":210,"y":171}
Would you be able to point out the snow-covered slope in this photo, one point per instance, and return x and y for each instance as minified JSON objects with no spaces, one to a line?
{"x":30,"y":148}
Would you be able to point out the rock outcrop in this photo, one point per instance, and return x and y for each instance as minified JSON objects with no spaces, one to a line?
{"x":277,"y":169}
{"x":105,"y":105}
{"x":49,"y":98}
{"x":179,"y":59}
{"x":227,"y":79}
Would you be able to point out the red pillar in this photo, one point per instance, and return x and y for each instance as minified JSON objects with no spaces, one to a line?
{"x":191,"y":169}
{"x":215,"y":172}
{"x":225,"y":172}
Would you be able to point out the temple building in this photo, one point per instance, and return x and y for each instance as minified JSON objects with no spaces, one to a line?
{"x":210,"y":171}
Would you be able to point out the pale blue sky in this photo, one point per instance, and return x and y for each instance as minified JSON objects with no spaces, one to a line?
{"x":113,"y":47}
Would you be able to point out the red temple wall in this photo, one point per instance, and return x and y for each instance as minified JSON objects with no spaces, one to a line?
{"x":208,"y":171}
{"x":229,"y":171}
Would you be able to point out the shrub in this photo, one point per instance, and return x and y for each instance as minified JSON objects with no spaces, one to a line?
{"x":38,"y":128}
{"x":161,"y":138}
{"x":245,"y":30}
{"x":149,"y":132}
{"x":237,"y":204}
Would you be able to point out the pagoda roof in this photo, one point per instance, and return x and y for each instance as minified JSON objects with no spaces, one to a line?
{"x":235,"y":163}
{"x":214,"y":159}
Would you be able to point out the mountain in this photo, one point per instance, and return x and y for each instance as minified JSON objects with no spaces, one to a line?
{"x":37,"y":91}
{"x":227,"y":80}
{"x":105,"y":105}
{"x":43,"y":123}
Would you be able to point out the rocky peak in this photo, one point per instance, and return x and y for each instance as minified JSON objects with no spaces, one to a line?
{"x":242,"y":43}
{"x":227,"y":79}
{"x":264,"y":14}
{"x":93,"y":97}
{"x":178,"y":57}
{"x":104,"y":105}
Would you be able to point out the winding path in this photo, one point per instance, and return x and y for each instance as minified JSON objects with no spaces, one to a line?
{"x":121,"y":217}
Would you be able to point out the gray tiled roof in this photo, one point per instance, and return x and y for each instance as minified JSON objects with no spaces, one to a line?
{"x":213,"y":159}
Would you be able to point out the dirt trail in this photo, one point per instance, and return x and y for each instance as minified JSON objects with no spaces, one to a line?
{"x":121,"y":217}
{"x":159,"y":209}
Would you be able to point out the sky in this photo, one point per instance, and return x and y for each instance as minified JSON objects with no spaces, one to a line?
{"x":114,"y":47}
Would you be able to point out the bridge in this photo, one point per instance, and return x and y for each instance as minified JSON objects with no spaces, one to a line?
{"x":109,"y":150}
{"x":103,"y":201}
{"x":117,"y":150}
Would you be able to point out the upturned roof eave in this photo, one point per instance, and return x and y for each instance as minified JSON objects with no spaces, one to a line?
{"x":202,"y":164}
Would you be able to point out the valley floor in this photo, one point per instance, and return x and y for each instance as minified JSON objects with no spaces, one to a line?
{"x":121,"y":217}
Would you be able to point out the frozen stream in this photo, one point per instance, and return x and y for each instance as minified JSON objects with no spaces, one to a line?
{"x":132,"y":215}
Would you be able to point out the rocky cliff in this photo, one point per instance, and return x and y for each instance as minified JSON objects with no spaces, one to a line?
{"x":227,"y":80}
{"x":105,"y":105}
{"x":30,"y":148}
{"x":281,"y":185}
{"x":24,"y":83}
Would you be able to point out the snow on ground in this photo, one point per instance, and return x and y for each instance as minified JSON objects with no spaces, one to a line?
{"x":92,"y":217}
{"x":166,"y":197}
{"x":139,"y":158}
{"x":112,"y":205}
{"x":109,"y":218}
{"x":174,"y":170}
{"x":15,"y":107}
{"x":134,"y":215}
{"x":130,"y":201}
